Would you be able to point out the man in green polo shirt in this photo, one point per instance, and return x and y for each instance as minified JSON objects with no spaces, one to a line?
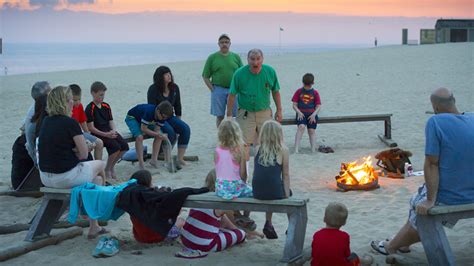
{"x":253,"y":84}
{"x":217,"y":74}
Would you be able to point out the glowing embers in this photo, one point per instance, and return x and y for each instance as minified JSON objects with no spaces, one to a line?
{"x":357,"y":176}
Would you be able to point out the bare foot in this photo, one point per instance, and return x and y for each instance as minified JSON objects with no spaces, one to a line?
{"x":112,"y":173}
{"x":182,"y":162}
{"x":153,"y":164}
{"x":366,"y":260}
{"x":254,"y":234}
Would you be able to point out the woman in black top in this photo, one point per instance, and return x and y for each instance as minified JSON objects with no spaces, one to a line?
{"x":164,"y":89}
{"x":61,"y":146}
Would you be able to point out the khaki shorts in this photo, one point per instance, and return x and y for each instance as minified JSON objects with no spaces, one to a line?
{"x":251,"y":122}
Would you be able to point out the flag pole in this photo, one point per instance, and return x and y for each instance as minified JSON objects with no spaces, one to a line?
{"x":279,"y":39}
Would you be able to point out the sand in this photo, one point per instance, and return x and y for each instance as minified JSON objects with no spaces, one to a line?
{"x":396,"y":79}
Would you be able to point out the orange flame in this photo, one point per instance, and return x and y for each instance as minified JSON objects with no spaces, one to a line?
{"x":357,"y":174}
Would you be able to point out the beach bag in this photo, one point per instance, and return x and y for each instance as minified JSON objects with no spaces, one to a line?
{"x":21,"y":161}
{"x":393,"y":160}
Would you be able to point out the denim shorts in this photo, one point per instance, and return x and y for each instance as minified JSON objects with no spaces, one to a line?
{"x":418,"y":198}
{"x":88,"y":136}
{"x":219,"y":101}
{"x":305,"y":121}
{"x":135,"y":127}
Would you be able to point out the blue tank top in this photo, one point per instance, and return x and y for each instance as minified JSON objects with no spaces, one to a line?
{"x":267,"y":182}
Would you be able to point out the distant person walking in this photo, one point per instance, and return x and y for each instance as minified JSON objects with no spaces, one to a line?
{"x":217,"y":75}
{"x":375,"y":42}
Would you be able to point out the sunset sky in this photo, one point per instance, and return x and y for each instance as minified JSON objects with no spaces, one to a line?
{"x":247,"y":21}
{"x":408,"y":8}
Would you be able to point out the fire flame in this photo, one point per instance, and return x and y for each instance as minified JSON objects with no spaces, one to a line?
{"x":357,"y":174}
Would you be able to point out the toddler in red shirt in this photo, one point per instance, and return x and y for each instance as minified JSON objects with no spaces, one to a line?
{"x":331,"y":246}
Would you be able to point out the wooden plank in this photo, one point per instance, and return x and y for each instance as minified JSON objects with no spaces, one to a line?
{"x":342,"y":118}
{"x":450,"y":209}
{"x":387,"y":142}
{"x":434,"y":240}
{"x":24,"y":248}
{"x":211,"y":198}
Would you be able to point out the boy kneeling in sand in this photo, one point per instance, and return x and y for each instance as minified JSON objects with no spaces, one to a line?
{"x":331,"y":246}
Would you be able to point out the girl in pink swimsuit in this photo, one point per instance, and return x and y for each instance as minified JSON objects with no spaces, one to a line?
{"x":229,"y":160}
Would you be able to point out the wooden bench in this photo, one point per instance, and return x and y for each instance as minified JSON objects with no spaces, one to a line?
{"x":432,"y":234}
{"x":386,"y":118}
{"x":55,"y":202}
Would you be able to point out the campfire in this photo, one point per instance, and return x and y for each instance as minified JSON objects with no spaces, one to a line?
{"x":357,"y":176}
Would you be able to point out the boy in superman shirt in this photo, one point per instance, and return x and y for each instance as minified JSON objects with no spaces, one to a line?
{"x":331,"y":246}
{"x":147,"y":119}
{"x":306,"y":103}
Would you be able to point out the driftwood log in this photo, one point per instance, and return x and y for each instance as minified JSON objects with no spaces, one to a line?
{"x":32,"y":194}
{"x":14,"y":228}
{"x":26,"y":247}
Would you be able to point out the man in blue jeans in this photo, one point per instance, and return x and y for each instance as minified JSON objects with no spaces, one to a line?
{"x":449,"y":180}
{"x":217,"y":75}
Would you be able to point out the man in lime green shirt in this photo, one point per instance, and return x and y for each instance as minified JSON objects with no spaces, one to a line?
{"x":217,"y":74}
{"x":253,"y":85}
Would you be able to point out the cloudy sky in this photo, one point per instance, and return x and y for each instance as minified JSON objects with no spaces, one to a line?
{"x":248,"y":21}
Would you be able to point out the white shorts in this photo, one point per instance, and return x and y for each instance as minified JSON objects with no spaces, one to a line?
{"x":82,"y":173}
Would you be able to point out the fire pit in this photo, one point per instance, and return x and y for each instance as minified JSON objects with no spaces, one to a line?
{"x":357,"y":176}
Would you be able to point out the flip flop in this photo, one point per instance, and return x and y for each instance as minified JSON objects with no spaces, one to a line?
{"x":379,"y":247}
{"x":187,"y":253}
{"x":401,"y":250}
{"x":101,"y":232}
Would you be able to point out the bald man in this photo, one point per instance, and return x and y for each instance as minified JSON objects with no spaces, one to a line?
{"x":253,"y":84}
{"x":449,"y":167}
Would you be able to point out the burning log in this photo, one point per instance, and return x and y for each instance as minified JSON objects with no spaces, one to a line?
{"x":355,"y":176}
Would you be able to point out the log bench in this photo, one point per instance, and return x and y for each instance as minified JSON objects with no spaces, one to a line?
{"x":386,"y":118}
{"x":55,"y":202}
{"x":432,"y":234}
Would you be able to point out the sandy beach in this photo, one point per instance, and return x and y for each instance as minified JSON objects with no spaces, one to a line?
{"x":391,"y":79}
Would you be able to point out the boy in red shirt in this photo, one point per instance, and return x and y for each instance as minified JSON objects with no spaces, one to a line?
{"x":80,"y":116}
{"x":331,"y":246}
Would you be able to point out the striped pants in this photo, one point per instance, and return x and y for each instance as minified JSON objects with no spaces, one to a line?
{"x":227,"y":238}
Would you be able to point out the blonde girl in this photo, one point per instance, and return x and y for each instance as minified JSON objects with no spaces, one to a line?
{"x":271,"y":178}
{"x":229,"y":160}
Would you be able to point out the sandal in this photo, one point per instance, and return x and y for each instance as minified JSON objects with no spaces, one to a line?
{"x":187,"y":253}
{"x":379,"y":246}
{"x":269,"y":231}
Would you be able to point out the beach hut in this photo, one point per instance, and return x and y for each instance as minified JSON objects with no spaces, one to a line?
{"x":454,"y":30}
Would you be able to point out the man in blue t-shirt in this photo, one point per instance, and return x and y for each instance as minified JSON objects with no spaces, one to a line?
{"x":449,"y":168}
{"x":147,"y":119}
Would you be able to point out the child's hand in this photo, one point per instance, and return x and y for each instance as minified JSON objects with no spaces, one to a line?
{"x":312,"y":119}
{"x":300,"y":116}
{"x":112,"y":134}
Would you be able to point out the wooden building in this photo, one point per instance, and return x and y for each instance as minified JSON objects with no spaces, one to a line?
{"x":454,"y":30}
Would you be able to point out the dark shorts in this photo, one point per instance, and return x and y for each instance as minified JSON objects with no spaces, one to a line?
{"x":114,"y":145}
{"x":305,"y":121}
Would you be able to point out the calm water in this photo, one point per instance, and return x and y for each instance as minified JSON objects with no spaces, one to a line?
{"x":46,"y":57}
